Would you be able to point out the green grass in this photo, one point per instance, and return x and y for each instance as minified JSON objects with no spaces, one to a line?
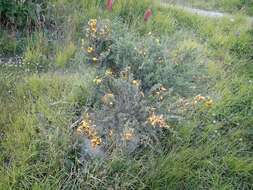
{"x":204,"y":148}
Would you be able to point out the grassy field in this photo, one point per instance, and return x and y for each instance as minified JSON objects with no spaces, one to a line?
{"x":103,"y":100}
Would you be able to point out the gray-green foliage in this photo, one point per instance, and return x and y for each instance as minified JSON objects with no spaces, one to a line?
{"x":154,"y":59}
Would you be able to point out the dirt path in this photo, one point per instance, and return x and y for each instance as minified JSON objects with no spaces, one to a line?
{"x":205,"y":13}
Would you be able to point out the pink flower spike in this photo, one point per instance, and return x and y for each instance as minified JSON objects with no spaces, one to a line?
{"x":109,"y":5}
{"x":147,"y":15}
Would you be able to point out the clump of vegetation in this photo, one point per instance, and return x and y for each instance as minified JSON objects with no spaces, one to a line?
{"x":123,"y":103}
{"x":22,"y":14}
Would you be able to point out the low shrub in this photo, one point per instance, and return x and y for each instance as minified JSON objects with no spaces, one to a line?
{"x":153,"y":59}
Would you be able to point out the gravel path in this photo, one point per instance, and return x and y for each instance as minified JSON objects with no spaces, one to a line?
{"x":205,"y":13}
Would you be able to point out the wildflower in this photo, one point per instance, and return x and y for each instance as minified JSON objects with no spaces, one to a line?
{"x":86,"y":128}
{"x":136,"y":82}
{"x":209,"y":103}
{"x":194,"y":102}
{"x":147,"y":15}
{"x":89,"y":49}
{"x":109,"y":5}
{"x":92,"y":22}
{"x":199,"y":98}
{"x":95,"y":141}
{"x":159,"y":91}
{"x":93,"y":25}
{"x":163,"y":89}
{"x":79,"y":130}
{"x":94,"y":30}
{"x":94,"y":59}
{"x":97,"y":80}
{"x":128,"y":135}
{"x":108,"y":72}
{"x":156,"y":120}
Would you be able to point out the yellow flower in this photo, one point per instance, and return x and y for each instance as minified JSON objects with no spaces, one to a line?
{"x":163,"y":88}
{"x":94,"y":30}
{"x":108,"y":72}
{"x":92,"y":22}
{"x":90,"y":49}
{"x":95,"y":141}
{"x":79,"y":129}
{"x":86,"y":129}
{"x":156,"y":120}
{"x":97,"y":80}
{"x":136,"y":82}
{"x":209,"y":103}
{"x":93,"y":25}
{"x":194,"y":102}
{"x":94,"y":59}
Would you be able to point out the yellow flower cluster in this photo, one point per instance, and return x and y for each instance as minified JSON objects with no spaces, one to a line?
{"x":93,"y":25}
{"x":159,"y":92}
{"x":206,"y":100}
{"x":156,"y":120}
{"x":108,"y":99}
{"x":86,"y":128}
